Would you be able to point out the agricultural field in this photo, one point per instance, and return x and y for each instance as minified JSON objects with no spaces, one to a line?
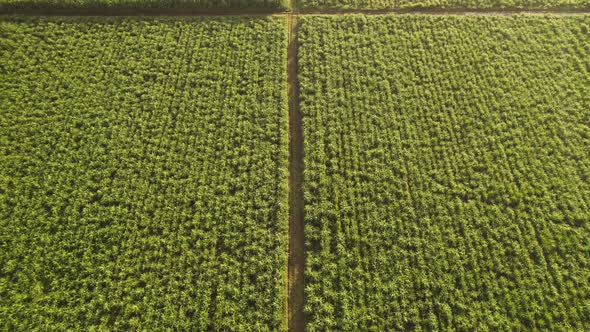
{"x":143,"y":174}
{"x":447,"y":169}
{"x":435,"y":5}
{"x":151,"y":6}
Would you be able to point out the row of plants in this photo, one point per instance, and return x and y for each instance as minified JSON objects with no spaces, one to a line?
{"x":141,"y":6}
{"x":203,"y":6}
{"x":442,"y":5}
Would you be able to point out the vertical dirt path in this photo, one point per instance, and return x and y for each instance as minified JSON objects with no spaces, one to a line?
{"x":296,"y":316}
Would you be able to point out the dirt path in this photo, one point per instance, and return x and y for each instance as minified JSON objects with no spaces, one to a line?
{"x":291,"y":13}
{"x":296,"y":317}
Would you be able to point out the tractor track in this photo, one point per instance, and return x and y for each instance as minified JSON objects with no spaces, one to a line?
{"x":156,"y":12}
{"x":296,"y":265}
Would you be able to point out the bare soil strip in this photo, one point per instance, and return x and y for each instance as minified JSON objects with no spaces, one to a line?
{"x":296,"y":315}
{"x":291,"y":13}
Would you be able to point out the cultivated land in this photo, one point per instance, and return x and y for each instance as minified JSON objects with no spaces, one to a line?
{"x":151,"y":6}
{"x":143,"y":174}
{"x":446,"y":172}
{"x":441,"y":5}
{"x":438,"y":165}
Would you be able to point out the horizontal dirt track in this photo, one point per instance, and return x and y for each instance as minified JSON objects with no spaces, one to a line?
{"x":293,"y":13}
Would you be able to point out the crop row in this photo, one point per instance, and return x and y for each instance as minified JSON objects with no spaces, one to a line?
{"x":444,"y":4}
{"x":183,"y":6}
{"x":446,"y":172}
{"x":153,"y":6}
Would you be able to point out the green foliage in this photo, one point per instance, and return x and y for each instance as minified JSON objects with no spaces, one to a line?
{"x":146,"y":5}
{"x":446,"y":172}
{"x":445,"y":4}
{"x":143,"y":170}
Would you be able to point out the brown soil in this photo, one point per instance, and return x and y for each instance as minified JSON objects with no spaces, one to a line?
{"x":296,"y":316}
{"x":291,"y":13}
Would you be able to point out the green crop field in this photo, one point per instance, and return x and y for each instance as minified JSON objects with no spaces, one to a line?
{"x":143,"y":174}
{"x":447,"y":168}
{"x":444,"y":4}
{"x":152,"y":6}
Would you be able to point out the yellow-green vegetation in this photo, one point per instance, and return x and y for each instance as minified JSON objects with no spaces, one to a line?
{"x":435,"y":5}
{"x":143,"y":180}
{"x":447,"y":172}
{"x":153,"y":6}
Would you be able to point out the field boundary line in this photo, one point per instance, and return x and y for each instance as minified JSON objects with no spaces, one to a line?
{"x":293,"y":12}
{"x":296,"y":296}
